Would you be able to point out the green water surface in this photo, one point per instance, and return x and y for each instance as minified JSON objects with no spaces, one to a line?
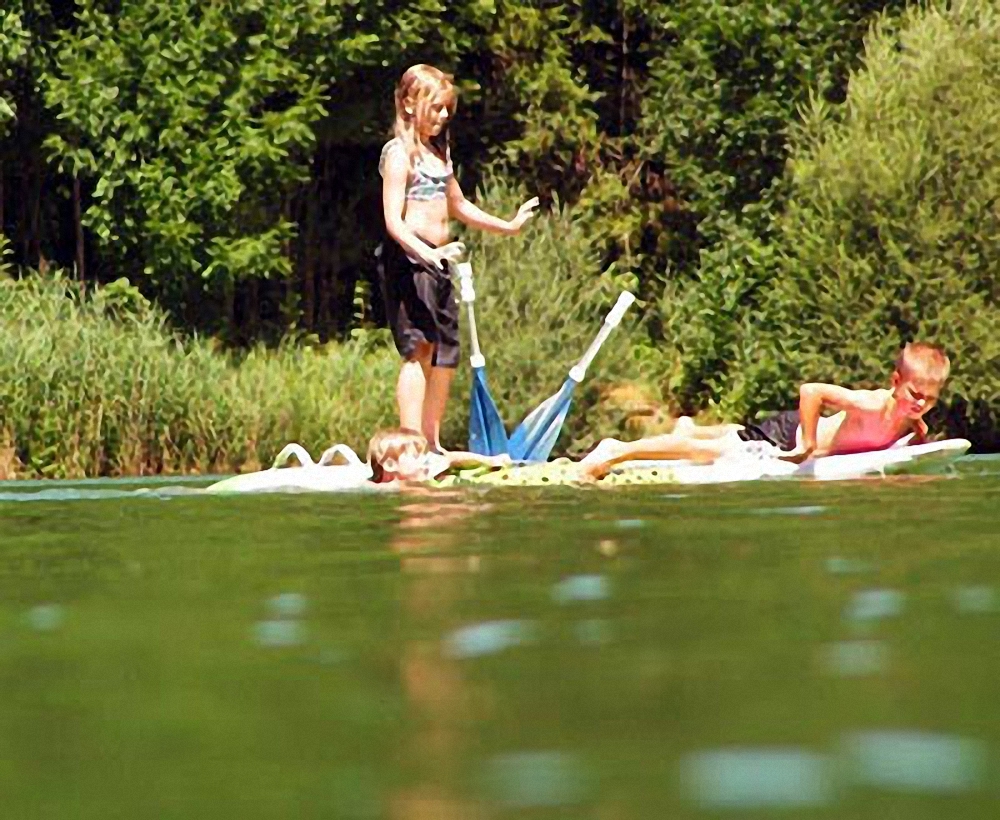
{"x":783,"y":649}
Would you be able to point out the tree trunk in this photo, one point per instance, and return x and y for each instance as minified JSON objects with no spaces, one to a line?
{"x":78,"y":226}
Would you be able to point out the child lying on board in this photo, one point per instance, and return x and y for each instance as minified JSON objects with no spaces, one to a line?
{"x":864,"y":420}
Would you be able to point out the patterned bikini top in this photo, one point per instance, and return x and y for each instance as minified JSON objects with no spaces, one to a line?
{"x":423,"y":185}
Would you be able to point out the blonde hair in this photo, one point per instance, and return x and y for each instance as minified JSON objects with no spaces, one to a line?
{"x":418,"y":89}
{"x":388,"y":446}
{"x":922,"y":360}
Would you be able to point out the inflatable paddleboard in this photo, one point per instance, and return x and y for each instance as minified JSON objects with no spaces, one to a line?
{"x":900,"y":458}
{"x":338,"y":469}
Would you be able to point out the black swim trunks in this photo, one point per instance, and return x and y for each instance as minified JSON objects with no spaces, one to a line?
{"x":779,"y":429}
{"x":420,"y":305}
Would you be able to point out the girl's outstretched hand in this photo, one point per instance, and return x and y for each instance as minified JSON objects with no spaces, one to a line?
{"x":524,"y":213}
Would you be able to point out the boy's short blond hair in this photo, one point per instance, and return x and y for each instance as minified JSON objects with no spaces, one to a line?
{"x":923,"y":361}
{"x":388,"y":446}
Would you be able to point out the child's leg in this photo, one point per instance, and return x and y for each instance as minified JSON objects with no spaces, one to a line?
{"x":411,"y":387}
{"x":667,"y":446}
{"x":685,"y":426}
{"x":435,"y":400}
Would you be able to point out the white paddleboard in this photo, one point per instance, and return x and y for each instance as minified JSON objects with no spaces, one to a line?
{"x":351,"y":473}
{"x":900,"y":458}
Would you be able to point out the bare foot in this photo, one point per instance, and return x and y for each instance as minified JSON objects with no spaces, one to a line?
{"x":605,"y":449}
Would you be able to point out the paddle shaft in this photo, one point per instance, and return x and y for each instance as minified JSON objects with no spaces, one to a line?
{"x":578,"y":372}
{"x":468,"y":295}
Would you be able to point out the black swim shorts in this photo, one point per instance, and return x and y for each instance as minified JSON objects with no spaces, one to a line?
{"x":779,"y":429}
{"x":420,"y":305}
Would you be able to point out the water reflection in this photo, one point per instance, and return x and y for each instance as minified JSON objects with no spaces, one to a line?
{"x":45,"y":617}
{"x":915,"y":761}
{"x":593,"y":632}
{"x":581,"y":588}
{"x":433,"y":540}
{"x":870,"y":605}
{"x":277,"y":633}
{"x":489,"y":638}
{"x":856,"y":659}
{"x":837,"y":565}
{"x":537,"y":779}
{"x":757,"y":778}
{"x":809,"y":509}
{"x":975,"y":600}
{"x":287,"y":605}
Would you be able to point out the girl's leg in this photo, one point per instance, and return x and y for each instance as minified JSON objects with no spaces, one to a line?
{"x":435,"y":400}
{"x":411,"y":387}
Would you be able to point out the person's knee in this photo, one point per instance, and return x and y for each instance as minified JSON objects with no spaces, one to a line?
{"x":421,"y":352}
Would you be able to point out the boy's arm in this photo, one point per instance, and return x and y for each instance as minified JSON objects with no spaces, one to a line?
{"x":469,"y":214}
{"x":813,"y":397}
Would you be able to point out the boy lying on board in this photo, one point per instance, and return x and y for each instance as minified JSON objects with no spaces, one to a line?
{"x":864,"y":420}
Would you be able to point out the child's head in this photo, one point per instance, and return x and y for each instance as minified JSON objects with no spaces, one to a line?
{"x":398,"y":454}
{"x":425,"y":104}
{"x":921,"y":371}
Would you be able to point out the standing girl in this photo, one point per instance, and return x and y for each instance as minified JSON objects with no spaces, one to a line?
{"x":419,"y":196}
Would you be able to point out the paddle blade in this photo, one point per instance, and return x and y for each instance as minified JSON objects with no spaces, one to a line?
{"x":535,"y":437}
{"x":487,"y":435}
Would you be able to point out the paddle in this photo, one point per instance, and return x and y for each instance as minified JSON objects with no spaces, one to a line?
{"x":487,"y":435}
{"x":535,"y":437}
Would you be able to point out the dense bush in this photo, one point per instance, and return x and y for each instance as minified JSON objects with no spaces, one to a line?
{"x":892,"y":231}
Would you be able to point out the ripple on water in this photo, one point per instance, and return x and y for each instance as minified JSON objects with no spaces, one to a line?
{"x":287,"y":605}
{"x":871,"y":605}
{"x":757,"y":778}
{"x":593,"y":632}
{"x":46,"y":617}
{"x":913,"y":761}
{"x":581,"y":588}
{"x":975,"y":599}
{"x":808,"y":509}
{"x":837,"y":565}
{"x":276,"y":634}
{"x":856,"y":659}
{"x":537,"y":779}
{"x":488,"y":638}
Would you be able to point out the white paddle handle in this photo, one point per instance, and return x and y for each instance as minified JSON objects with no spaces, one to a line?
{"x":467,"y":293}
{"x":614,"y":318}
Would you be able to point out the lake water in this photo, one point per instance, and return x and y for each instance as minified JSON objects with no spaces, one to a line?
{"x":784,"y":649}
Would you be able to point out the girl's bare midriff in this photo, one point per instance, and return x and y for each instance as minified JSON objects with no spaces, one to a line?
{"x":429,"y":221}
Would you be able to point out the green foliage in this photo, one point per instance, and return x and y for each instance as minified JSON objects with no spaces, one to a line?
{"x":192,"y":120}
{"x":892,"y":232}
{"x":718,"y":107}
{"x":15,"y":42}
{"x":103,"y":387}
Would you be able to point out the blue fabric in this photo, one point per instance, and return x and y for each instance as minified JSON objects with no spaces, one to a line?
{"x":487,"y":435}
{"x":535,"y":437}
